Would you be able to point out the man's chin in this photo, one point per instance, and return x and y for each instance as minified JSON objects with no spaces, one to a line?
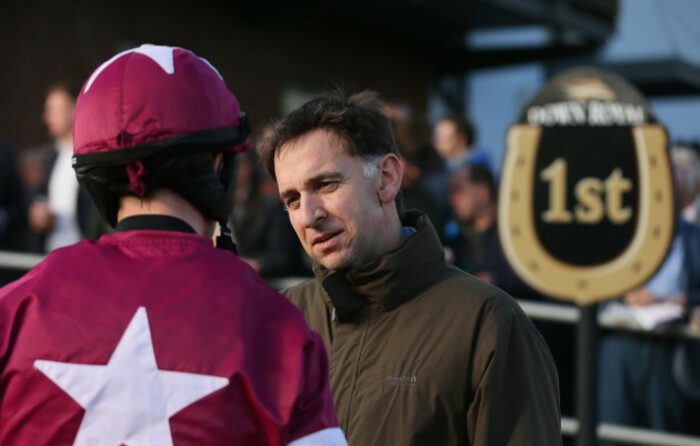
{"x":333,"y":262}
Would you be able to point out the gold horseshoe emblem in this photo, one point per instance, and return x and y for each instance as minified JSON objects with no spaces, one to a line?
{"x":586,"y":284}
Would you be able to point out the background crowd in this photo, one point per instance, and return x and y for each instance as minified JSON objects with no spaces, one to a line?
{"x":447,"y":176}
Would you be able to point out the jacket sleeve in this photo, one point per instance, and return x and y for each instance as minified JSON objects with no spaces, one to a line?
{"x":515,"y":389}
{"x":691,"y":275}
{"x":314,"y":420}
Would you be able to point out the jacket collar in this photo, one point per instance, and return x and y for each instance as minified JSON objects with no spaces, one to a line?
{"x":391,"y":279}
{"x":153,"y":222}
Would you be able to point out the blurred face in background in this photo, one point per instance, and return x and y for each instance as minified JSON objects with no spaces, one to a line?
{"x":447,"y":140}
{"x":59,"y":109}
{"x":467,"y":199}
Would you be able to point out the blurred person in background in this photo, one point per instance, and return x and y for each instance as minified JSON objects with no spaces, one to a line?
{"x":424,"y":179}
{"x":261,"y":229}
{"x":61,"y":212}
{"x":32,"y":168}
{"x":421,"y":353}
{"x":639,"y":384}
{"x":10,"y":196}
{"x":414,"y":140}
{"x":476,"y":247}
{"x":686,"y":159}
{"x":416,"y":196}
{"x":11,"y":202}
{"x":454,"y":138}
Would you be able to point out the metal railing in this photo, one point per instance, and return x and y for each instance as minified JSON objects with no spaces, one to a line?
{"x":545,"y":311}
{"x":570,"y":314}
{"x":18,"y":261}
{"x":630,"y":435}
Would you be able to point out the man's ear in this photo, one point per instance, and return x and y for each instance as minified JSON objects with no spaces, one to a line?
{"x":390,"y":178}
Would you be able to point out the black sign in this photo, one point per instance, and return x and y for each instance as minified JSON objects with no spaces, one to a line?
{"x":586,"y":204}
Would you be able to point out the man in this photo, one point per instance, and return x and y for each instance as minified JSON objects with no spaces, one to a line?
{"x":150,"y":335}
{"x":454,"y":139}
{"x":476,"y":248}
{"x":421,"y":353}
{"x":62,"y":213}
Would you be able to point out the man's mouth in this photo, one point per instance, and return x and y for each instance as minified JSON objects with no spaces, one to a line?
{"x":324,"y":238}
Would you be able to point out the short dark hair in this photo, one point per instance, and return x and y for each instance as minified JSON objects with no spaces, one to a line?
{"x":65,"y":85}
{"x":358,"y":120}
{"x":478,"y":173}
{"x":463,"y":125}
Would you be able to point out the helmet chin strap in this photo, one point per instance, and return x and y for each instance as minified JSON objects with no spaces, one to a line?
{"x":227,"y":176}
{"x":224,"y":240}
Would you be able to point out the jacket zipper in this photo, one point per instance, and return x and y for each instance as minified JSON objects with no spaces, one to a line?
{"x":357,"y":368}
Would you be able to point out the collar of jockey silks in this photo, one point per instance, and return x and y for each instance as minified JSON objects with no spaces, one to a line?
{"x":153,"y":223}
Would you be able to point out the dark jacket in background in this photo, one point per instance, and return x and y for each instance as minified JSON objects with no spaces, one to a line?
{"x":91,"y":224}
{"x":690,"y":235}
{"x":12,"y":209}
{"x":263,"y":232}
{"x":89,"y":220}
{"x":686,"y":359}
{"x":424,"y":354}
{"x":476,"y":252}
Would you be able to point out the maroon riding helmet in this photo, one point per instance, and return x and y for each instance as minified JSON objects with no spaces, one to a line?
{"x":153,"y":117}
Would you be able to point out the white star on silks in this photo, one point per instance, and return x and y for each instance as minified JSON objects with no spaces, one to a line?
{"x":129,"y":400}
{"x":162,"y":55}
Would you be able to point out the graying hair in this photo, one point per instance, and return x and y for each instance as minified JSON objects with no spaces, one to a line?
{"x":370,"y":167}
{"x":687,"y":167}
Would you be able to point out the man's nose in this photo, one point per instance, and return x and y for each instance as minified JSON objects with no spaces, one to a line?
{"x":312,"y":211}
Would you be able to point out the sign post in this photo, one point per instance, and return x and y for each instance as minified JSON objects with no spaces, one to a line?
{"x":586,"y":203}
{"x":587,"y":378}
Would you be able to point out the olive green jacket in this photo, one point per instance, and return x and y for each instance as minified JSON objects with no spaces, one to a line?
{"x":422,"y":353}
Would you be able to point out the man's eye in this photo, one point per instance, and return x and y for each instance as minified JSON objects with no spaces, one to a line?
{"x":292,"y":203}
{"x":329,"y":185}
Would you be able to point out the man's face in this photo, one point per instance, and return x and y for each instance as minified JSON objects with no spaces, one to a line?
{"x":446,"y":139}
{"x":464,"y":196}
{"x":59,"y":109}
{"x":333,"y":205}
